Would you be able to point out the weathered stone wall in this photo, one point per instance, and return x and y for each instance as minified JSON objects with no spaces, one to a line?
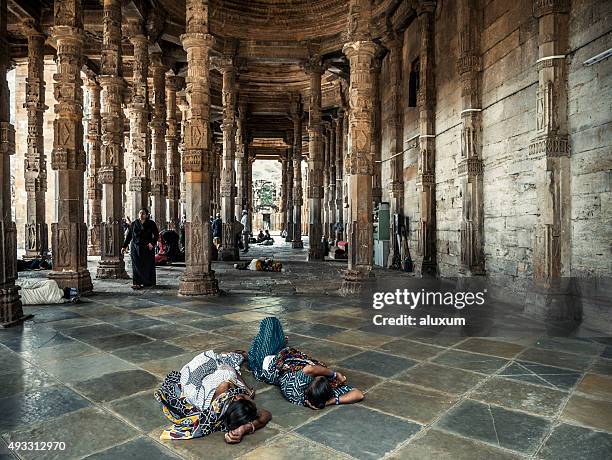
{"x":590,"y":130}
{"x":509,"y":50}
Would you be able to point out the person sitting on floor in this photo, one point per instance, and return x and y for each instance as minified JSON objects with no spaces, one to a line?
{"x":209,"y":395}
{"x":261,"y":236}
{"x":302,"y":380}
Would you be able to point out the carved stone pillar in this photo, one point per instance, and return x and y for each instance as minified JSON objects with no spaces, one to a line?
{"x":228,"y":189}
{"x":425,"y":260}
{"x":69,"y":234}
{"x":240,"y":159}
{"x":325,"y":203}
{"x":360,"y":168}
{"x":289,"y":200}
{"x":345,"y":171}
{"x":198,"y":278}
{"x":173,"y":185}
{"x":11,"y":312}
{"x":139,"y":146}
{"x":550,"y":149}
{"x":470,"y":168}
{"x":183,"y":107}
{"x":215,"y":178}
{"x":94,"y":188}
{"x":296,"y":117}
{"x":376,"y":132}
{"x":159,"y":189}
{"x":249,"y":188}
{"x":283,"y":198}
{"x":339,"y":175}
{"x":395,"y":128}
{"x":331,"y":190}
{"x":35,"y":159}
{"x":112,"y":173}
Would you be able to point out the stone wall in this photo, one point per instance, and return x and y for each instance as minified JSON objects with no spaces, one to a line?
{"x":509,"y":50}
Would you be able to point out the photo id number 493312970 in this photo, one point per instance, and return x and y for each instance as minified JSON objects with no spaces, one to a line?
{"x":37,"y":445}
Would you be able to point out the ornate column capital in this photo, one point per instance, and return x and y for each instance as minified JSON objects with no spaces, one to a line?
{"x":544,"y":7}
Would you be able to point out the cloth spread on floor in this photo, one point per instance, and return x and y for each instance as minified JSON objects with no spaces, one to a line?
{"x":187,"y":397}
{"x":41,"y":292}
{"x":286,"y":368}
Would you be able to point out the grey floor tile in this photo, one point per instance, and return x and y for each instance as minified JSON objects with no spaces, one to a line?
{"x":40,"y":339}
{"x":211,"y":324}
{"x":28,"y":379}
{"x":137,"y":449}
{"x":285,"y":414}
{"x":556,"y":358}
{"x":411,"y":349}
{"x":357,"y":438}
{"x":142,"y":410}
{"x":596,"y":413}
{"x":522,"y":396}
{"x":490,"y":347}
{"x":376,"y":363}
{"x":115,"y":342}
{"x":25,"y":409}
{"x":85,"y":367}
{"x":569,"y":442}
{"x":93,"y":331}
{"x":554,"y":377}
{"x":138,"y":323}
{"x":438,"y":445}
{"x":314,"y":330}
{"x":117,"y":385}
{"x":471,"y":361}
{"x":570,"y":345}
{"x":503,"y":428}
{"x":102,"y":431}
{"x":148,"y":352}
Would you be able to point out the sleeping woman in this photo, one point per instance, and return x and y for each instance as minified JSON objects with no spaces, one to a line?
{"x":302,"y":379}
{"x":209,"y":395}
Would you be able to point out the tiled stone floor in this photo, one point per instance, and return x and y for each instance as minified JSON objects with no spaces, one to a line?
{"x":84,"y":374}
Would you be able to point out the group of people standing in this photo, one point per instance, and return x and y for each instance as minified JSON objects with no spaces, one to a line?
{"x":209,"y":393}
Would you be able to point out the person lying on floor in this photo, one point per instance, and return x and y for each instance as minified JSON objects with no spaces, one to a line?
{"x":209,"y":395}
{"x":43,"y":292}
{"x":302,"y":379}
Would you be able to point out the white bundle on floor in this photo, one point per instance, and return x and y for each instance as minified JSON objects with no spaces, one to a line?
{"x":34,"y":292}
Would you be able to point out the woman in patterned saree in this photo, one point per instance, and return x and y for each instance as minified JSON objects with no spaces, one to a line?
{"x":209,"y":395}
{"x":302,"y":379}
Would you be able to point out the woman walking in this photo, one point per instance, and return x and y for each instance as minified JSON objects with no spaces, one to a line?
{"x":302,"y":380}
{"x":142,"y":237}
{"x":209,"y":395}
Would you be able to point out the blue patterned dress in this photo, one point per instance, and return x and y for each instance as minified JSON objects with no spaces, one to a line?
{"x":285,"y":370}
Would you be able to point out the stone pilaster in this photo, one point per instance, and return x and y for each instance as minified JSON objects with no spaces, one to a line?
{"x":289,"y":189}
{"x":331,"y":189}
{"x":112,"y":173}
{"x":296,"y":118}
{"x":376,"y":132}
{"x":241,"y":159}
{"x":425,"y":260}
{"x":394,"y":124}
{"x":550,"y":149}
{"x":325,"y":204}
{"x":345,"y":135}
{"x":339,"y":175}
{"x":283,"y":198}
{"x":159,"y":188}
{"x":470,"y":168}
{"x":172,"y":148}
{"x":228,"y":188}
{"x":94,"y":188}
{"x":315,"y":161}
{"x":69,"y":234}
{"x":11,"y":311}
{"x":198,"y":278}
{"x":360,"y":53}
{"x":36,"y":232}
{"x":139,"y":146}
{"x":249,"y":188}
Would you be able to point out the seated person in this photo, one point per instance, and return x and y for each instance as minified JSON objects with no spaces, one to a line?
{"x":209,"y":395}
{"x":302,"y":380}
{"x":260,"y":236}
{"x":267,"y":236}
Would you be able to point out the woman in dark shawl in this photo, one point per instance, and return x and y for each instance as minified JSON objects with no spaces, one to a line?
{"x":143,"y":235}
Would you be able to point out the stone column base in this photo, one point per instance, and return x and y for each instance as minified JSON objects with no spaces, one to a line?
{"x":297,"y":244}
{"x":11,"y":311}
{"x":197,"y":284}
{"x":80,"y":280}
{"x":316,"y":252}
{"x":356,"y":282}
{"x":229,"y":254}
{"x":112,"y":269}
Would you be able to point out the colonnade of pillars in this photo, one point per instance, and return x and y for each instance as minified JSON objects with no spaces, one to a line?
{"x":340,"y":160}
